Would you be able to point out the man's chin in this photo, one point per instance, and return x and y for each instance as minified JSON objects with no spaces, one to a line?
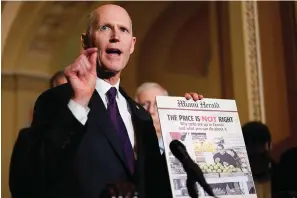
{"x":107,"y":71}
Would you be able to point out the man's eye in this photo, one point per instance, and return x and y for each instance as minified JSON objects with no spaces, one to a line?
{"x":124,"y":30}
{"x":104,"y":28}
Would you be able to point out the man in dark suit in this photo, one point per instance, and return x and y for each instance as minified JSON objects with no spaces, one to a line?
{"x":92,"y":132}
{"x":146,"y":96}
{"x":23,"y":161}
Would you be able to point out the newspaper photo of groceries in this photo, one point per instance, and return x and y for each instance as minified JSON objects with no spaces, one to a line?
{"x":211,"y":155}
{"x":225,"y":168}
{"x":231,"y":162}
{"x":216,"y":160}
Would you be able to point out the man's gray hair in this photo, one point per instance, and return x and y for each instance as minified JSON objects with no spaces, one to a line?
{"x":146,"y":86}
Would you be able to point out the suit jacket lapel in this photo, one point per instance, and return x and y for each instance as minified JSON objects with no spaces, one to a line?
{"x":105,"y":125}
{"x":134,"y":107}
{"x":139,"y":119}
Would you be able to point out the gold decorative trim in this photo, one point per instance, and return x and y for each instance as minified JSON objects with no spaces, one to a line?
{"x":253,"y":61}
{"x":24,"y":80}
{"x":27,"y":74}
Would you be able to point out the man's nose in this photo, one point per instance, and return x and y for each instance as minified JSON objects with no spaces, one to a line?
{"x":115,"y":37}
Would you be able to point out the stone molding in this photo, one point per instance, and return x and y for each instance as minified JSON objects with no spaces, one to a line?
{"x":253,"y":61}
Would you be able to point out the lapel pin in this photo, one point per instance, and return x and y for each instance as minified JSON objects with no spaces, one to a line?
{"x":137,"y":107}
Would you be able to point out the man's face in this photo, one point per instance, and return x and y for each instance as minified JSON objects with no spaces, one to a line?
{"x":221,"y":150}
{"x":147,"y":99}
{"x":112,"y":35}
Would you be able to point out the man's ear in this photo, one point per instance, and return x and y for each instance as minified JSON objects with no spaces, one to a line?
{"x":84,"y":41}
{"x":132,"y":45}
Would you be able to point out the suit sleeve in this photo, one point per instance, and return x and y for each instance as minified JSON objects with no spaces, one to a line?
{"x":54,"y":134}
{"x":54,"y":122}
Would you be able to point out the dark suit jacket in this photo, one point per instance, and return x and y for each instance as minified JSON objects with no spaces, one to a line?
{"x":16,"y":173}
{"x":80,"y":160}
{"x":22,"y":165}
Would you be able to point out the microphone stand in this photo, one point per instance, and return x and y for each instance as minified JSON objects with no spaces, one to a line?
{"x":191,"y":186}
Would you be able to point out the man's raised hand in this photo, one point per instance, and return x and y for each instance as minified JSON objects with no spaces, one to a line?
{"x":82,"y":76}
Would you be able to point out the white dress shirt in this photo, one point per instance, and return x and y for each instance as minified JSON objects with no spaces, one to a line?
{"x":161,"y":145}
{"x":81,"y":113}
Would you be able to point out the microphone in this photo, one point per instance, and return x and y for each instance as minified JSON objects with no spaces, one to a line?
{"x":192,"y":169}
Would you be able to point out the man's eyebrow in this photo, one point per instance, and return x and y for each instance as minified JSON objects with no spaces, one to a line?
{"x":103,"y":24}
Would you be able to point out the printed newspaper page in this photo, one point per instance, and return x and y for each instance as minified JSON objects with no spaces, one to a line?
{"x":211,"y":131}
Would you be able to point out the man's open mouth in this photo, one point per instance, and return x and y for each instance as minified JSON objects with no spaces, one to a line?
{"x":113,"y":51}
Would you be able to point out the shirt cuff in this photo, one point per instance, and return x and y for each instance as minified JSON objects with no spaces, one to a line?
{"x":79,"y":112}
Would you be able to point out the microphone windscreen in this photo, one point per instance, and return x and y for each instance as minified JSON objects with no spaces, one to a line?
{"x":178,"y":149}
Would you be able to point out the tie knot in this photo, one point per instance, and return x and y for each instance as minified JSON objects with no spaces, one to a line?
{"x":111,"y":94}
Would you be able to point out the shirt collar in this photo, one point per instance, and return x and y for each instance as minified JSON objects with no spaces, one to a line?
{"x":102,"y":86}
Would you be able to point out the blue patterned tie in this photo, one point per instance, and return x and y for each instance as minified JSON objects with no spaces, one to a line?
{"x":120,"y":126}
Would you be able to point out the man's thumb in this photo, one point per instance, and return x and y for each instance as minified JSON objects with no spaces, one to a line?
{"x":93,"y":61}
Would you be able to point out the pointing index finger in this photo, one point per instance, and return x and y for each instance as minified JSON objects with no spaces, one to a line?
{"x":89,"y":51}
